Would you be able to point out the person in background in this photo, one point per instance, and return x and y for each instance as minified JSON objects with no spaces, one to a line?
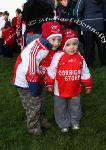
{"x":2,"y":24}
{"x":29,"y":72}
{"x":17,"y":19}
{"x":104,"y":14}
{"x":1,"y":20}
{"x":65,"y":10}
{"x":66,"y":73}
{"x":8,"y":38}
{"x":104,"y":44}
{"x":6,"y":18}
{"x":32,"y":18}
{"x":17,"y":25}
{"x":54,"y":4}
{"x":91,"y":15}
{"x":1,"y":14}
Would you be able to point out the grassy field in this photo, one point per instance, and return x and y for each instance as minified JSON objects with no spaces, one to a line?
{"x":13,"y":131}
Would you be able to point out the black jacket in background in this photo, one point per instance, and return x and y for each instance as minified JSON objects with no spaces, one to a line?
{"x":66,"y":13}
{"x":90,"y":13}
{"x":36,"y":10}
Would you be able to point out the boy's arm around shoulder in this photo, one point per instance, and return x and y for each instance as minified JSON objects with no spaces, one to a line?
{"x":51,"y":72}
{"x":50,"y":75}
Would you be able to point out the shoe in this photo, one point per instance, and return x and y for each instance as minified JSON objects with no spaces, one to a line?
{"x":64,"y":130}
{"x":76,"y":127}
{"x":45,"y":124}
{"x":35,"y":131}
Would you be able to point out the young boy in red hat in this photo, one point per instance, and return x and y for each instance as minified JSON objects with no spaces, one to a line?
{"x":29,"y":71}
{"x":68,"y":70}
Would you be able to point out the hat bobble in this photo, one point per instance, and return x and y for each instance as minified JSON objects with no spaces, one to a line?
{"x":67,"y":35}
{"x":51,"y":29}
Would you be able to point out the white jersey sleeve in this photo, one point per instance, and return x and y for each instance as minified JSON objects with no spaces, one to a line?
{"x":52,"y":68}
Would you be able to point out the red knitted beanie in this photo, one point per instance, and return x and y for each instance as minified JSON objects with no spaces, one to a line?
{"x":50,"y":29}
{"x":67,"y":35}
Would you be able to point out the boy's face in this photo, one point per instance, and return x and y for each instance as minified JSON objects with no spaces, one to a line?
{"x":71,"y":46}
{"x":5,"y":17}
{"x":55,"y":41}
{"x":17,"y":14}
{"x":64,"y":2}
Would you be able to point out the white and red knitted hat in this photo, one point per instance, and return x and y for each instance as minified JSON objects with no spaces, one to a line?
{"x":67,"y":35}
{"x":50,"y":29}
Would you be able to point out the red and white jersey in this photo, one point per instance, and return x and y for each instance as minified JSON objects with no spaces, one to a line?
{"x":67,"y":73}
{"x":8,"y":35}
{"x":32,"y":63}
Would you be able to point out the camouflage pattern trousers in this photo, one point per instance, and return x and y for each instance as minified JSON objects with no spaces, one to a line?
{"x":33,"y":107}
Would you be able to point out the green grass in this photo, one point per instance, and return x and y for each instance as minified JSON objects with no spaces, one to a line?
{"x":13,"y":131}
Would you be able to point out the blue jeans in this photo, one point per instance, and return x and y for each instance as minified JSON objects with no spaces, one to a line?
{"x":31,"y":37}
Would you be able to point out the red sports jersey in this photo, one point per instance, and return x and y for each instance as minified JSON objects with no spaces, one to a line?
{"x":9,"y":35}
{"x":67,"y":73}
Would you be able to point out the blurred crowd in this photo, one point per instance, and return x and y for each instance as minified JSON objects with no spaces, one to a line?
{"x":17,"y":33}
{"x":10,"y":33}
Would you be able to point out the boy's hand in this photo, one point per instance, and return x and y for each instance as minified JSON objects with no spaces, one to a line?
{"x":88,"y":91}
{"x":50,"y":89}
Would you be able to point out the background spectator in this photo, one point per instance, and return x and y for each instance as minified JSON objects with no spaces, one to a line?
{"x":7,"y":35}
{"x":65,"y":9}
{"x":17,"y":25}
{"x":32,"y":15}
{"x":104,"y":44}
{"x":2,"y":23}
{"x":91,"y":14}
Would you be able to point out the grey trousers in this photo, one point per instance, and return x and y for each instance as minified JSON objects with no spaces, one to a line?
{"x":67,"y":111}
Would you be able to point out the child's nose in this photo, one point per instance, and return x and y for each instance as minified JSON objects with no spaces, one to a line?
{"x":56,"y":42}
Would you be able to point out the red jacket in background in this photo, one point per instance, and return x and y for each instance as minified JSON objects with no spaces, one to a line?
{"x":8,"y":35}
